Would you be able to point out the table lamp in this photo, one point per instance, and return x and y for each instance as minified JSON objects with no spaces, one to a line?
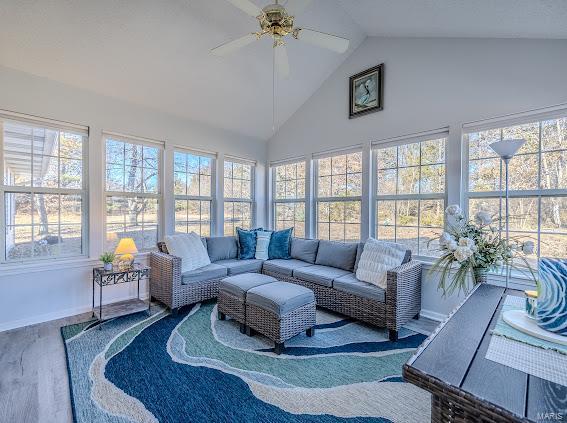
{"x":126,"y":249}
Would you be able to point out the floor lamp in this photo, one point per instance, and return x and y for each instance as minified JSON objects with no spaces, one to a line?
{"x":507,"y":149}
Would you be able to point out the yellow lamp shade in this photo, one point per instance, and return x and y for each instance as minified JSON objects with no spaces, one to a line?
{"x":126,"y":246}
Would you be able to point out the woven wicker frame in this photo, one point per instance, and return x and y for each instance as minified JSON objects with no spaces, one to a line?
{"x":166,"y":283}
{"x":232,"y":306}
{"x":403,"y":298}
{"x":280,"y":328}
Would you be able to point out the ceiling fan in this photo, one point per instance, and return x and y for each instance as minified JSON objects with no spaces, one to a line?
{"x":277,"y":21}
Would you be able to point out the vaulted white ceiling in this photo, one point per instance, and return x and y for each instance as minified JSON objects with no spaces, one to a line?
{"x":156,"y":53}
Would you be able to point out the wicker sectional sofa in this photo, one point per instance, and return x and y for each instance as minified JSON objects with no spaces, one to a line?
{"x":326,"y":267}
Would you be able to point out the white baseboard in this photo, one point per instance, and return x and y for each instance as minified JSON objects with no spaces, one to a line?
{"x":432,"y":315}
{"x":59,"y":314}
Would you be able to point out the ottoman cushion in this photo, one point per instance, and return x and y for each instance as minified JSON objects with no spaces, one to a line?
{"x":280,"y":297}
{"x":238,"y":285}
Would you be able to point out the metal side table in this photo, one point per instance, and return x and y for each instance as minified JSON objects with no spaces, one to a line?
{"x":104,"y":278}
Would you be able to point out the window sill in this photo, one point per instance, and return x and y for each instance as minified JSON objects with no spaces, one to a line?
{"x":13,"y":269}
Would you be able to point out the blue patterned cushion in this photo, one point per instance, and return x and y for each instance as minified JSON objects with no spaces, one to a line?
{"x":246,"y":243}
{"x":280,"y":243}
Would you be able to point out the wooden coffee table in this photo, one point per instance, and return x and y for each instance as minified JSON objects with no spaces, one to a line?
{"x":467,"y":387}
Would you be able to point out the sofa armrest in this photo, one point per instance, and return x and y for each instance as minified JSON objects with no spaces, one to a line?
{"x":403,"y":294}
{"x":165,"y":276}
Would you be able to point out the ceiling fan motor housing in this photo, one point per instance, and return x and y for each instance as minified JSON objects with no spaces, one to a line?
{"x":275,"y":21}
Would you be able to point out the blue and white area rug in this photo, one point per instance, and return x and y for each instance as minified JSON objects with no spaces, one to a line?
{"x":195,"y":368}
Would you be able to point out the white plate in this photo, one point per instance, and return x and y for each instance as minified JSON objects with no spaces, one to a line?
{"x":518,"y":319}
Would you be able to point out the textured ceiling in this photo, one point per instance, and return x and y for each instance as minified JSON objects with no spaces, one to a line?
{"x":156,"y":53}
{"x":460,"y":18}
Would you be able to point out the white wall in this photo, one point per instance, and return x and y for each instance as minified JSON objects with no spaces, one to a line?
{"x":44,"y":291}
{"x":429,"y":84}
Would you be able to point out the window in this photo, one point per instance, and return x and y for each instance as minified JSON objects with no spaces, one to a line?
{"x":537,"y":181}
{"x":289,"y":197}
{"x":238,"y":196}
{"x":339,"y":197}
{"x":410,"y":194}
{"x":43,"y":190}
{"x":193,"y":190}
{"x":132,"y":192}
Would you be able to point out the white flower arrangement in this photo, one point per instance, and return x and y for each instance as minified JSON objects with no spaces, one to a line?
{"x":474,"y":246}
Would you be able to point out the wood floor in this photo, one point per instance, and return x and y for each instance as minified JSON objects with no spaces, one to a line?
{"x":33,"y":371}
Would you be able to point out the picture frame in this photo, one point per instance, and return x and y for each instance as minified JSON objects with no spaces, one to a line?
{"x":366,"y":91}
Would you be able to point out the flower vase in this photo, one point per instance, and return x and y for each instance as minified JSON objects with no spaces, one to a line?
{"x":551,"y":313}
{"x":107,"y":267}
{"x":480,"y":275}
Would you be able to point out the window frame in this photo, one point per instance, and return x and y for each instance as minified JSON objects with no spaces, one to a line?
{"x":317,"y":200}
{"x":159,"y":196}
{"x":83,"y":192}
{"x":538,"y":193}
{"x":375,"y":197}
{"x":251,"y":201}
{"x":297,"y":200}
{"x":211,"y":198}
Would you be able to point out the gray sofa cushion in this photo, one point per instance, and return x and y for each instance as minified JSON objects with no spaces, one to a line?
{"x":351,"y":285}
{"x":321,"y":275}
{"x":235,"y":266}
{"x":337,"y":254}
{"x":239,"y":285}
{"x":280,"y":297}
{"x":359,"y":249}
{"x":284,"y":267}
{"x":304,"y":249}
{"x":210,"y":271}
{"x":222,"y":248}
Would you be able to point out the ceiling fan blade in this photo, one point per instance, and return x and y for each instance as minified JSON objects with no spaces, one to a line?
{"x":321,"y":39}
{"x":234,"y":45}
{"x":247,"y":7}
{"x":282,"y":62}
{"x":296,"y":7}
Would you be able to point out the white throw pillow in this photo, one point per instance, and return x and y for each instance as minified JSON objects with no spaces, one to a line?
{"x":376,"y":259}
{"x":190,"y":249}
{"x":262,"y":243}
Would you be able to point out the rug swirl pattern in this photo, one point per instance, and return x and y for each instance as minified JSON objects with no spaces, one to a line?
{"x":195,"y":368}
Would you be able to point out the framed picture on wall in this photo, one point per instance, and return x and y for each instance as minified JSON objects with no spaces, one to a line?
{"x":366,"y":91}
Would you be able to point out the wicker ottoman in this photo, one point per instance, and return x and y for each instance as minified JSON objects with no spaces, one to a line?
{"x":279,"y":311}
{"x":232,"y":295}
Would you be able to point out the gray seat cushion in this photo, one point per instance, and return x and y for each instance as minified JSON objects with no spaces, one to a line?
{"x":236,"y":266}
{"x":304,"y":249}
{"x":210,"y":271}
{"x":321,"y":275}
{"x":337,"y":254}
{"x":284,"y":267}
{"x":222,"y":248}
{"x":351,"y":285}
{"x":280,"y":297}
{"x":239,"y":285}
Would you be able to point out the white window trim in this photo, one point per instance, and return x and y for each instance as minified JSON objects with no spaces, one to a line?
{"x":251,"y":201}
{"x":130,"y":139}
{"x":536,"y":116}
{"x":275,"y":201}
{"x":317,"y":200}
{"x":212,"y":198}
{"x":395,"y":142}
{"x":40,"y":122}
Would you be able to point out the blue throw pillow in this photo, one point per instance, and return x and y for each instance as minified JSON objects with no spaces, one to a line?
{"x":280,"y":243}
{"x":246,"y":243}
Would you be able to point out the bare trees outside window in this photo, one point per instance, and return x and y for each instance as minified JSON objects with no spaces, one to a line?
{"x":238,"y":196}
{"x":537,"y":180}
{"x":132,"y":192}
{"x":193,"y":190}
{"x":289,"y":197}
{"x":43,"y":190}
{"x":410,"y":194}
{"x":339,"y":197}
